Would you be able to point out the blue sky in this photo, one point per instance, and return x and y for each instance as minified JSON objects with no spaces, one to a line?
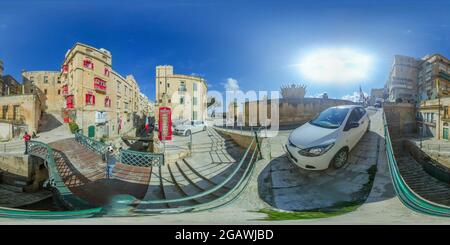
{"x":259,"y":44}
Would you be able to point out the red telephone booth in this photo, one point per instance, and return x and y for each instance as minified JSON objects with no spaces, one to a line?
{"x":165,"y":123}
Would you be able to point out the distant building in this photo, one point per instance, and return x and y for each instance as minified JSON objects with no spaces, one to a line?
{"x":376,"y":93}
{"x":185,"y":94}
{"x":430,"y":76}
{"x":402,"y":83}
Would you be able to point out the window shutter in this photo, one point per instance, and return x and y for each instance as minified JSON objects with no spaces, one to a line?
{"x":87,"y":98}
{"x":93,"y":99}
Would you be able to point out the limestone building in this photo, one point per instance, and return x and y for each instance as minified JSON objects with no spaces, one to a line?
{"x":402,"y":83}
{"x":20,"y":111}
{"x":184,"y":94}
{"x":48,"y":84}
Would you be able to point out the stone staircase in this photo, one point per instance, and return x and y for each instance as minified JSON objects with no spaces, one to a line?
{"x":420,"y":181}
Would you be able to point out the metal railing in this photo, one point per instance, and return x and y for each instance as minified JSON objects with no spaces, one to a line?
{"x":82,"y":208}
{"x":406,"y":195}
{"x":242,"y":183}
{"x":90,"y":143}
{"x":129,"y":157}
{"x":141,"y":159}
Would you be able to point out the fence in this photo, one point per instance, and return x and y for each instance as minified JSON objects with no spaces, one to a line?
{"x":129,"y":157}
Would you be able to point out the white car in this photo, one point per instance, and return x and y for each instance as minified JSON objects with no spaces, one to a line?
{"x":190,"y":127}
{"x":327,"y":139}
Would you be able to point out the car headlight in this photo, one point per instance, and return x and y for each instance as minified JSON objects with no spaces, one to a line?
{"x":316,"y":150}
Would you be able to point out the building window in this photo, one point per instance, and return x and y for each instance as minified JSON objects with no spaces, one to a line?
{"x":99,"y":85}
{"x":45,"y":79}
{"x":90,"y":99}
{"x":69,"y":102}
{"x":4,"y":111}
{"x":181,"y":100}
{"x":118,"y":87}
{"x":168,"y":85}
{"x":88,"y":64}
{"x":195,"y":87}
{"x":106,"y":72}
{"x":59,"y":91}
{"x":45,"y":91}
{"x":194,"y":102}
{"x":64,"y":68}
{"x":107,"y":102}
{"x":16,"y":112}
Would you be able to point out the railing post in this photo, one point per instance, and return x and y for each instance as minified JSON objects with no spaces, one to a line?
{"x":258,"y":145}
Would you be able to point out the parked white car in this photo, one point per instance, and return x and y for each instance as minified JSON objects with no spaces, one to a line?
{"x":327,"y":139}
{"x":190,"y":127}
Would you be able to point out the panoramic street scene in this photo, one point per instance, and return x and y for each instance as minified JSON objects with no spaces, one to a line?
{"x":224,"y":112}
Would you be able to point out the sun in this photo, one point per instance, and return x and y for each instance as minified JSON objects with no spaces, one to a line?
{"x":337,"y":65}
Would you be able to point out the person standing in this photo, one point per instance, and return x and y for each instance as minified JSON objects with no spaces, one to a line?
{"x":110,"y":161}
{"x":26,"y":138}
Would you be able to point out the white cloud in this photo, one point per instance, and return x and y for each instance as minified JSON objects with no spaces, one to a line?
{"x":231,"y":85}
{"x":339,"y":65}
{"x":353,"y":97}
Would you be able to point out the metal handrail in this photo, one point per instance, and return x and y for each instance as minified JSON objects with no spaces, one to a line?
{"x":44,"y":151}
{"x":141,"y":159}
{"x":217,"y":187}
{"x":196,"y":208}
{"x":406,"y":195}
{"x":209,"y":191}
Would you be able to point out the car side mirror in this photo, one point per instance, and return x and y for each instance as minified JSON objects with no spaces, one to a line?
{"x":351,"y":125}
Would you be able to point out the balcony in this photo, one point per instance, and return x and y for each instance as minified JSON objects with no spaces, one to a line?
{"x":182,"y":89}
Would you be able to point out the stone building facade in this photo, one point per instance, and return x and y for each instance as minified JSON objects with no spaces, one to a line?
{"x":402,"y":83}
{"x":184,"y":94}
{"x":19,"y":113}
{"x":101,"y":101}
{"x":48,"y":85}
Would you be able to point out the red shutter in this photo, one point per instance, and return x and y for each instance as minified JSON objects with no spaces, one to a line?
{"x":87,"y":99}
{"x":93,"y":99}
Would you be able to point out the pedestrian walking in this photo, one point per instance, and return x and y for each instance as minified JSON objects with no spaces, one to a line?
{"x":26,"y":138}
{"x":110,"y":161}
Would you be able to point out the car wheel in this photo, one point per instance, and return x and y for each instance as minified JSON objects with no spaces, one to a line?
{"x":188,"y":132}
{"x":340,"y":159}
{"x":204,"y":128}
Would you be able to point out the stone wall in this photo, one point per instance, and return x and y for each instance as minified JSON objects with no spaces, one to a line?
{"x":27,"y":107}
{"x":291,"y":111}
{"x":401,"y":118}
{"x":6,"y":132}
{"x":24,"y":171}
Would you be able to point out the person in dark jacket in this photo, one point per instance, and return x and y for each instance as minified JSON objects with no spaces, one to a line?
{"x":110,"y":161}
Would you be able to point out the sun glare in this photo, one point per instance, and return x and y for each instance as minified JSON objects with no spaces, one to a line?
{"x":335,"y":65}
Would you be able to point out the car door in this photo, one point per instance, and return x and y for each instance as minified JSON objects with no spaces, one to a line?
{"x":197,"y":127}
{"x":364,"y":121}
{"x":351,"y":134}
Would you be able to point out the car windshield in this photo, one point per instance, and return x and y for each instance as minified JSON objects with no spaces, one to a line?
{"x":330,"y":118}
